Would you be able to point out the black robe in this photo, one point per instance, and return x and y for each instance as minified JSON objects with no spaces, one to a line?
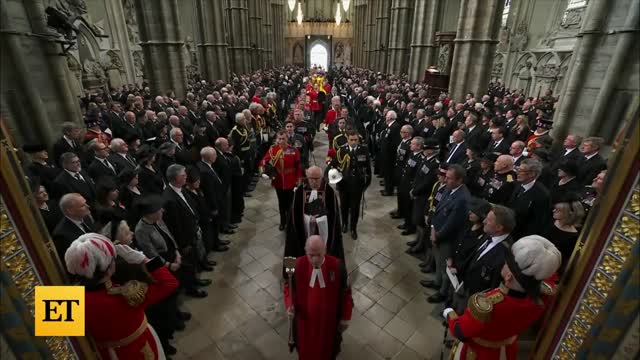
{"x":296,"y":235}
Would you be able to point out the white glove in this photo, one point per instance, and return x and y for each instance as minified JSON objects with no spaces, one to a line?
{"x":445,"y":313}
{"x":130,"y":255}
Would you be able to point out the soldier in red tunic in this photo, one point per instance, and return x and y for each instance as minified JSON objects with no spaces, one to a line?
{"x":489,"y":327}
{"x":115,"y":313}
{"x":320,"y":304}
{"x":283,"y":165}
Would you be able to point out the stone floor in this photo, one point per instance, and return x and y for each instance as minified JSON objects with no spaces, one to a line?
{"x":244,"y":318}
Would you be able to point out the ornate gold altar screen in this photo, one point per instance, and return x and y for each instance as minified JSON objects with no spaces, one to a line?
{"x":27,"y":259}
{"x":594,"y":317}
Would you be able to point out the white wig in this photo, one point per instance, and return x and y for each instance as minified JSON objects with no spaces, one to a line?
{"x":89,"y":253}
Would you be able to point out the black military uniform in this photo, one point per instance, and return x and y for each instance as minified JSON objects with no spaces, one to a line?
{"x":437,"y":191}
{"x":499,"y":188}
{"x":425,"y":176}
{"x":307,"y":132}
{"x":355,"y":166}
{"x":407,"y":179}
{"x":389,"y":141}
{"x":402,"y":155}
{"x":239,"y":137}
{"x":339,"y":140}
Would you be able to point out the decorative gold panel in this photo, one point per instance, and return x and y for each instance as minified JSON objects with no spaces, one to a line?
{"x":602,"y":283}
{"x":18,"y":263}
{"x":634,"y":204}
{"x":593,"y":299}
{"x":60,"y":348}
{"x":630,"y":227}
{"x":610,"y":265}
{"x":9,"y":245}
{"x":620,"y":247}
{"x":27,"y":282}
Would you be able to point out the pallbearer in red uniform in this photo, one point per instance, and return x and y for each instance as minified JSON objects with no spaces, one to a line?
{"x":114,"y":313}
{"x":320,"y":304}
{"x":489,"y":327}
{"x":282,"y":164}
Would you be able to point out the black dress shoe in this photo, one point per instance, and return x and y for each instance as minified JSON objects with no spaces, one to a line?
{"x":224,"y":242}
{"x":396,"y":216}
{"x":169,"y":350}
{"x":203,"y":282}
{"x":354,"y":235}
{"x":429,"y":284}
{"x":221,"y":248}
{"x":197,"y":293}
{"x":412,"y":251}
{"x":345,"y":229}
{"x":436,"y":298}
{"x":427,"y":270}
{"x":412,"y":243}
{"x":206,"y":267}
{"x":386,"y":193}
{"x":210,"y":262}
{"x":179,"y":325}
{"x":408,"y":232}
{"x":393,"y":212}
{"x":424,"y":264}
{"x":281,"y":227}
{"x":402,"y":226}
{"x":227,"y":231}
{"x":381,"y":183}
{"x":184,"y":315}
{"x":231,"y":226}
{"x":247,"y":195}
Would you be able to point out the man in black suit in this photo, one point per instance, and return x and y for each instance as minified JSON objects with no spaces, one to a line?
{"x":76,"y":222}
{"x":402,"y":156}
{"x":69,"y":142}
{"x":39,"y":167}
{"x":474,"y":131}
{"x":181,"y":217}
{"x":482,"y":269}
{"x":570,"y":151}
{"x":530,"y":201}
{"x":129,"y":127}
{"x":499,"y":145}
{"x":591,"y":163}
{"x":516,"y":151}
{"x":389,"y":141}
{"x":73,"y":180}
{"x":120,"y":157}
{"x":183,"y":155}
{"x":457,"y":149}
{"x":215,"y":189}
{"x":115,"y":117}
{"x":447,"y":226}
{"x":101,"y":167}
{"x":211,"y":129}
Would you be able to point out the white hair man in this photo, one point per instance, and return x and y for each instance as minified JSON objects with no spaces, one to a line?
{"x":389,"y":142}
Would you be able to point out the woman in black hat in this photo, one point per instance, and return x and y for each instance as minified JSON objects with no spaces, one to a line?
{"x":568,"y":213}
{"x":567,"y":172}
{"x":472,"y":165}
{"x":49,"y":210}
{"x":107,"y":198}
{"x":150,"y":180}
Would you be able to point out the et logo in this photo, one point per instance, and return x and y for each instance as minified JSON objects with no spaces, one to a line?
{"x":59,"y":311}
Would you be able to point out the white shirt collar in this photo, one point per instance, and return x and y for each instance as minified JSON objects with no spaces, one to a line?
{"x":76,"y":223}
{"x":471,"y":128}
{"x":176,"y":189}
{"x":528,"y":186}
{"x":316,"y":274}
{"x":590,"y":156}
{"x":568,"y":150}
{"x":495,"y":240}
{"x":454,"y":190}
{"x":499,"y":238}
{"x":73,"y":173}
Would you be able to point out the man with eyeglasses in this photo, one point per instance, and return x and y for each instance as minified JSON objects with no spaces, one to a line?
{"x":314,"y":212}
{"x":530,"y":201}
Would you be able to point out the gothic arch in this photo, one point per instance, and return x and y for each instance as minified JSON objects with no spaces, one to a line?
{"x":523,"y":74}
{"x":497,"y":71}
{"x":297,"y":57}
{"x":562,"y":73}
{"x":546,"y":72}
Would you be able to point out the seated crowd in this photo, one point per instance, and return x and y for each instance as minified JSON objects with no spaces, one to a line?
{"x":169,"y":176}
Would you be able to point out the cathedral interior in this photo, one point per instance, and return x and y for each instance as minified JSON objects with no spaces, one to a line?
{"x":569,"y":69}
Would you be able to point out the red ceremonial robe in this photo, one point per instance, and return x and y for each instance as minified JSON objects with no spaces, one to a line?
{"x":318,"y":311}
{"x":122,"y":328}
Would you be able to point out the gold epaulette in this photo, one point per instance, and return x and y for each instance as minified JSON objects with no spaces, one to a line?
{"x":481,"y":304}
{"x":133,"y":291}
{"x":546,"y":289}
{"x":509,"y":178}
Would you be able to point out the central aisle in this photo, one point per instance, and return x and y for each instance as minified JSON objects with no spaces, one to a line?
{"x":243,"y":317}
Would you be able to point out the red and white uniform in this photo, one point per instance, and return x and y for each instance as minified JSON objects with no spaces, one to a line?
{"x":121,"y":330}
{"x":320,"y":302}
{"x":287,"y":163}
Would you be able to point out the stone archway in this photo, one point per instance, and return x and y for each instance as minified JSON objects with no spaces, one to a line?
{"x":298,"y":54}
{"x":321,"y":44}
{"x":319,"y":56}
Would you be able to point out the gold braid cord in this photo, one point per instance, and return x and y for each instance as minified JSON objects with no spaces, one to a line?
{"x":274,"y":159}
{"x":344,"y":162}
{"x":133,"y":291}
{"x":481,"y":304}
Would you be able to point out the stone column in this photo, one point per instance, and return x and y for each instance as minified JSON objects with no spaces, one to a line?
{"x":424,"y":50}
{"x":255,"y":29}
{"x":370,"y":37}
{"x":119,"y":34}
{"x":382,"y":37}
{"x":162,"y":45}
{"x":36,"y":96}
{"x":277,"y":8}
{"x":239,"y":49}
{"x":359,"y":33}
{"x":267,"y":33}
{"x":399,"y":35}
{"x":211,"y":43}
{"x":475,"y":46}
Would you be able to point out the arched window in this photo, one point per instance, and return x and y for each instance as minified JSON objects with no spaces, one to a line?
{"x":505,"y":12}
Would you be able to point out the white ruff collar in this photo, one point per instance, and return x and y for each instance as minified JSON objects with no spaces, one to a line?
{"x":316,"y":274}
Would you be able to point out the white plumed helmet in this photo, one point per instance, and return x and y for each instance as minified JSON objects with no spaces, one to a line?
{"x":536,"y":256}
{"x":88,"y":253}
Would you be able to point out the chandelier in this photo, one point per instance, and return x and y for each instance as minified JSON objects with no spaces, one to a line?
{"x":345,"y":5}
{"x":338,"y":15}
{"x":292,"y":4}
{"x":299,"y":15}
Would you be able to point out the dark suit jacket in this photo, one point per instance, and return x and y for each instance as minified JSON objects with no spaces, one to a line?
{"x":98,"y":170}
{"x":389,"y":144}
{"x":62,"y":146}
{"x":451,"y":215}
{"x":485,"y":273}
{"x":65,"y":233}
{"x":458,"y":156}
{"x":502,"y":148}
{"x":150,"y":182}
{"x":182,"y":222}
{"x":212,"y":186}
{"x":65,"y":184}
{"x":532,"y":208}
{"x":121,"y":163}
{"x":474,"y":137}
{"x":589,"y":169}
{"x":211,"y":132}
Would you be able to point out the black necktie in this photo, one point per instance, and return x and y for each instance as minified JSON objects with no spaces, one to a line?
{"x":484,"y":246}
{"x":78,"y":177}
{"x":108,"y":164}
{"x":130,"y":159}
{"x":520,"y":191}
{"x":85,"y":227}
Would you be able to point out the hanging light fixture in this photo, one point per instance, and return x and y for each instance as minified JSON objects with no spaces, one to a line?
{"x":299,"y":15}
{"x":338,"y":15}
{"x":345,"y":5}
{"x":292,"y":4}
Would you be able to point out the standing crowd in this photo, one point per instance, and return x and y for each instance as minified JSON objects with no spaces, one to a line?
{"x":158,"y":181}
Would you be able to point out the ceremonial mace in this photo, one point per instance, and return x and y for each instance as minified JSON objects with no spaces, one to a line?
{"x":290,"y":269}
